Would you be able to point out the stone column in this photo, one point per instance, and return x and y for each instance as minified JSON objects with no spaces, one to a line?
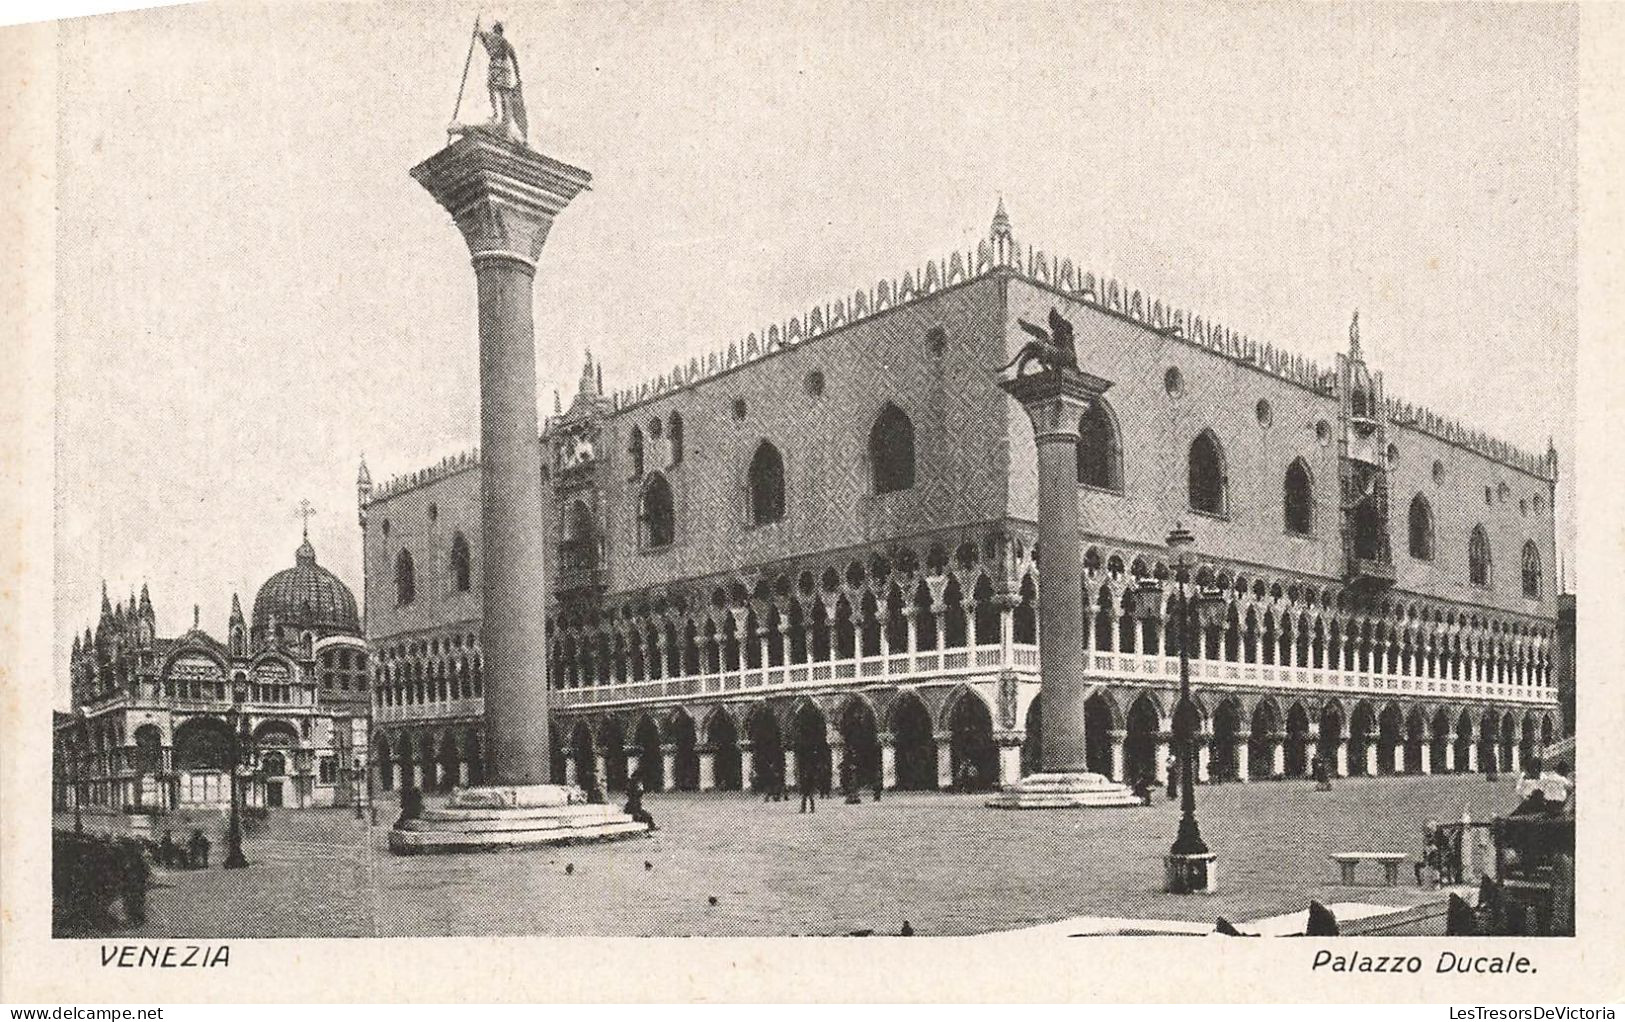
{"x":1278,"y":756}
{"x":600,"y":770}
{"x":668,"y":768}
{"x":747,"y":765}
{"x":1472,"y":757}
{"x":888,"y":761}
{"x":708,"y":769}
{"x":1160,"y":767}
{"x":503,"y":197}
{"x":1450,"y":752}
{"x":1427,"y":755}
{"x":1371,"y":755}
{"x":1244,"y":753}
{"x":945,"y":760}
{"x":1204,"y":752}
{"x":1342,"y":757}
{"x":633,"y":760}
{"x":1117,"y":738}
{"x":792,"y":777}
{"x":1055,"y":400}
{"x":1399,"y":756}
{"x":1515,"y":761}
{"x":571,"y":771}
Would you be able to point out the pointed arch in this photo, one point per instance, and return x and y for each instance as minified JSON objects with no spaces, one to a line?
{"x":406,"y":579}
{"x":765,"y":491}
{"x":891,"y":451}
{"x":1531,"y":570}
{"x":461,"y":563}
{"x":1208,"y":480}
{"x":634,"y":450}
{"x":1421,"y":528}
{"x":1100,"y":448}
{"x":1298,"y":498}
{"x":1478,"y":557}
{"x":657,"y":524}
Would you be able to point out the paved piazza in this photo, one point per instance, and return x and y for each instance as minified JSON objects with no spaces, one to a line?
{"x":944,"y":862}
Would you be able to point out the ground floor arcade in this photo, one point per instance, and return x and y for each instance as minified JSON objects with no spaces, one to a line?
{"x":971,"y":736}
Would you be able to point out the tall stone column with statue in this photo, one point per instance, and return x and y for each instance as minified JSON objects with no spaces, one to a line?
{"x":503,"y":197}
{"x":1055,"y":393}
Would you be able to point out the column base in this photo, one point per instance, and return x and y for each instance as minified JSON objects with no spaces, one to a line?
{"x":486,"y":818}
{"x":1069,"y":790}
{"x":1191,"y":874}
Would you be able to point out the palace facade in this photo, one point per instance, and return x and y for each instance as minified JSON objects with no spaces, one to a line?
{"x":154,"y":719}
{"x":820,"y":543}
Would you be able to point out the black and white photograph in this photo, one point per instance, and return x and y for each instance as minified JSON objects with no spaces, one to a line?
{"x":1007,"y":472}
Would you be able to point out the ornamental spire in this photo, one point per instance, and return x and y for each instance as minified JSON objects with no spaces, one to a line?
{"x":1354,"y":337}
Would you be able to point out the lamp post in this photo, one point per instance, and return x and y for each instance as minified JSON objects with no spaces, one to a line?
{"x":1190,"y":864}
{"x":359,"y":779}
{"x":234,"y":829}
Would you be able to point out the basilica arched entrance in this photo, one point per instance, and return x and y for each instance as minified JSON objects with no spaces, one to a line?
{"x":767,"y":749}
{"x":859,"y":732}
{"x":1140,"y":743}
{"x":810,"y":739}
{"x":975,"y":759}
{"x":916,"y":748}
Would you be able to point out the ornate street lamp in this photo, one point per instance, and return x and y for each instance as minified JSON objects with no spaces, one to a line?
{"x":1189,"y":863}
{"x":234,"y":829}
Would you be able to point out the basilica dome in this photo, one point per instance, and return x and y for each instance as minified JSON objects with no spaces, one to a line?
{"x":305,"y":597}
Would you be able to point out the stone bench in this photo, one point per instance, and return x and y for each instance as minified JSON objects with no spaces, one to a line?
{"x":1390,"y":861}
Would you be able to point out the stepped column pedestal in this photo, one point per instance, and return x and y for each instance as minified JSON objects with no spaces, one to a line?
{"x":1055,"y":396}
{"x":503,"y":196}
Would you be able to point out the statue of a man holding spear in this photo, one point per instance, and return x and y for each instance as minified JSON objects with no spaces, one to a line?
{"x":508,"y":118}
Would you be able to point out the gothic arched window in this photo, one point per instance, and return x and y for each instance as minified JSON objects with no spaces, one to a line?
{"x":1478,"y":557}
{"x":580,"y":547}
{"x":1421,"y":528}
{"x":406,"y":579}
{"x":634,"y":448}
{"x":1531,"y":570}
{"x":1100,"y":453}
{"x":1207,"y":479}
{"x":657,"y":518}
{"x":766,"y":485}
{"x":674,"y":436}
{"x":460,"y":571}
{"x":891,"y":451}
{"x":1298,"y":498}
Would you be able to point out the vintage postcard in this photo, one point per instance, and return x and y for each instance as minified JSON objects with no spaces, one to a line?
{"x":1053,"y":482}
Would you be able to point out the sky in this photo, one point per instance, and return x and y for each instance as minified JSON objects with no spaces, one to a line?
{"x":252,"y":293}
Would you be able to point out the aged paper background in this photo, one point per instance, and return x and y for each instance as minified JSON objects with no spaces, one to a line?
{"x":34,"y":968}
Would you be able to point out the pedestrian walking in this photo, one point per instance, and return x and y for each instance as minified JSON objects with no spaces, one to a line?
{"x":197,"y":850}
{"x":807,"y":783}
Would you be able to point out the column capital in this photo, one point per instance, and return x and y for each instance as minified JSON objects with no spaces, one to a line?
{"x":502,"y":195}
{"x":1055,"y":400}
